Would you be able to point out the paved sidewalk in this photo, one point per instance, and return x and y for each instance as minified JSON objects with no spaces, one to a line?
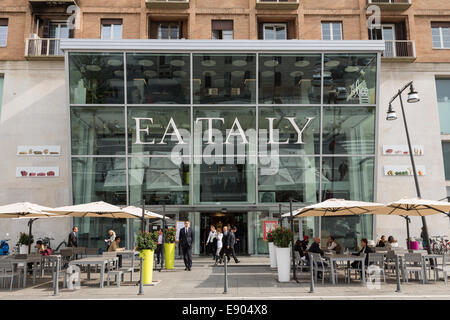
{"x":250,"y":279}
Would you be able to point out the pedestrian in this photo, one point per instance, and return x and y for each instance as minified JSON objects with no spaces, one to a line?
{"x":219,"y":236}
{"x":110,"y":240}
{"x":424,"y":241}
{"x":159,"y":244}
{"x":231,"y":241}
{"x":224,"y":250}
{"x":73,"y":238}
{"x":211,"y":242}
{"x":186,"y":239}
{"x":382,"y":242}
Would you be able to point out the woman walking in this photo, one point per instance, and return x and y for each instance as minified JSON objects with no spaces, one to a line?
{"x":212,"y":242}
{"x":219,"y":246}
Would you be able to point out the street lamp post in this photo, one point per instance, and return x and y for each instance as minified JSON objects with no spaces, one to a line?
{"x":413,"y":97}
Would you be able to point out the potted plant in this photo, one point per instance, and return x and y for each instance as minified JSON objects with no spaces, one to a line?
{"x":282,"y":238}
{"x":24,"y":242}
{"x":272,"y":250}
{"x":146,"y":243}
{"x":169,"y":248}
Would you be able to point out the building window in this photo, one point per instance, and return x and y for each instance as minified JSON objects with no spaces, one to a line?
{"x":1,"y":93}
{"x":440,"y":32}
{"x":111,"y":29}
{"x":222,"y":29}
{"x":169,"y":30}
{"x":276,"y":31}
{"x":443,"y":96}
{"x":331,"y":30}
{"x":3,"y":32}
{"x":446,"y":153}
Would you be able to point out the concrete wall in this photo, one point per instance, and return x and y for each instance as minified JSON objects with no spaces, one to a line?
{"x":34,"y":112}
{"x":423,"y":125}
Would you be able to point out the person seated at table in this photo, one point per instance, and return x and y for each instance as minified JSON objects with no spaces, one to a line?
{"x":365,"y":249}
{"x":382,"y":242}
{"x":392,"y":243}
{"x":42,"y":249}
{"x":115,"y":245}
{"x":333,"y":245}
{"x":315,"y":248}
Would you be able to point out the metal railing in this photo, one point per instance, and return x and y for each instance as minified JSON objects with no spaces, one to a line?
{"x":181,"y":1}
{"x":277,"y":1}
{"x":388,"y":1}
{"x":43,"y":48}
{"x":399,"y":49}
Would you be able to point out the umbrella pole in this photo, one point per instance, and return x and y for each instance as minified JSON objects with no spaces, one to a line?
{"x":30,"y":227}
{"x":143,"y":216}
{"x":294,"y":268}
{"x":281,"y":217}
{"x":407,"y":232}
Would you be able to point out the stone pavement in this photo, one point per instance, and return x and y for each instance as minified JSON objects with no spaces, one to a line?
{"x":250,"y":279}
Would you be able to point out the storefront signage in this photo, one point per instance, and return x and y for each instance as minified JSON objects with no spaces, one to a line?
{"x":399,"y":150}
{"x":235,"y":130}
{"x":37,"y":172}
{"x":403,"y":170}
{"x":38,"y":150}
{"x":268,"y":225}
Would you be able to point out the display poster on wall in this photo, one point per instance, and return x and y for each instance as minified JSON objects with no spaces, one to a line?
{"x":267,"y":226}
{"x":38,"y":172}
{"x":402,"y":150}
{"x":180,"y":225}
{"x":38,"y":150}
{"x":403,"y":170}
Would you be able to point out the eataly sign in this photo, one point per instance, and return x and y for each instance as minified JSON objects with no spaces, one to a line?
{"x":235,"y":130}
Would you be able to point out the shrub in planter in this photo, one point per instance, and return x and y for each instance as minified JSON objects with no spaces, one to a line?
{"x":146,"y":243}
{"x":169,"y":248}
{"x":170,"y":235}
{"x":282,"y":237}
{"x":25,"y":239}
{"x":269,"y":236}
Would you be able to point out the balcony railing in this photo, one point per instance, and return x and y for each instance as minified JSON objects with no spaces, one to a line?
{"x":391,"y":4}
{"x":43,"y":49}
{"x":168,"y":4}
{"x":277,"y":4}
{"x":399,"y":50}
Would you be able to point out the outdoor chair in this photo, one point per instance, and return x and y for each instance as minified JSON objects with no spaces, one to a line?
{"x":377,"y":259}
{"x":112,"y":264}
{"x":358,"y":270}
{"x":319,"y":265}
{"x":127,"y":265}
{"x":7,"y":271}
{"x":66,"y":256}
{"x":300,"y":263}
{"x":445,"y":267}
{"x":413,"y":262}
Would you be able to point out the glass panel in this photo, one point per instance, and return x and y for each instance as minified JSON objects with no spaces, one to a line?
{"x":217,"y":34}
{"x":174,"y":34}
{"x":443,"y":95}
{"x":220,"y":78}
{"x":117,"y":29}
{"x":326,"y":31}
{"x":337,"y":31}
{"x":446,"y":153}
{"x":3,"y":35}
{"x":99,"y":179}
{"x":269,"y":33}
{"x":349,"y":178}
{"x":97,"y":131}
{"x":227,"y":34}
{"x":229,"y":131}
{"x":282,"y":178}
{"x":388,"y":33}
{"x":347,"y":231}
{"x":159,"y":180}
{"x":290,"y":78}
{"x":158,"y":78}
{"x":348,"y":130}
{"x":281,"y":32}
{"x":106,"y":31}
{"x":436,"y":35}
{"x":96,"y":78}
{"x":92,"y":232}
{"x":163,"y":32}
{"x":224,"y":179}
{"x":350,"y":78}
{"x":299,"y":126}
{"x":159,"y":131}
{"x":446,"y":37}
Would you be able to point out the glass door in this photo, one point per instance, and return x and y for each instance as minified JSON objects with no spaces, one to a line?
{"x":388,"y":35}
{"x":57,"y":31}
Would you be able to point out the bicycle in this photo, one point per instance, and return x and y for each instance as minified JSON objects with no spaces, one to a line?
{"x":439,"y":244}
{"x":46,"y":241}
{"x":59,"y":245}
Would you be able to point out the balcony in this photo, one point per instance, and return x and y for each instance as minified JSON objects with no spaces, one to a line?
{"x":277,"y":4}
{"x":43,"y":49}
{"x":399,"y":51}
{"x":167,"y":4}
{"x":400,"y":5}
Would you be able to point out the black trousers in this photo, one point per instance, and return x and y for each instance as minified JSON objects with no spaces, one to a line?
{"x":227,"y":252}
{"x":158,"y":253}
{"x":187,"y":256}
{"x":212,"y":248}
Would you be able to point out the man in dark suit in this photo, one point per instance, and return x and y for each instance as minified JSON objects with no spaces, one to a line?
{"x":73,"y":239}
{"x":315,"y":248}
{"x":231,"y":244}
{"x":225,"y":241}
{"x":364,"y":250}
{"x":186,"y":239}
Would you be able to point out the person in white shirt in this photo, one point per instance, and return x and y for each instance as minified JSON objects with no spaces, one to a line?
{"x":219,"y":237}
{"x":211,"y":242}
{"x":333,"y":245}
{"x":159,"y":246}
{"x":392,"y":243}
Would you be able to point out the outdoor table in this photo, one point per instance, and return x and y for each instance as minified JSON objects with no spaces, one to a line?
{"x":349,"y":258}
{"x":34,"y":259}
{"x":125,"y":252}
{"x":94,"y":260}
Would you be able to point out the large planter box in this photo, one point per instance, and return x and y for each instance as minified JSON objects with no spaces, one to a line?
{"x":272,"y":255}
{"x":284,"y":264}
{"x":147,"y":268}
{"x":169,"y":255}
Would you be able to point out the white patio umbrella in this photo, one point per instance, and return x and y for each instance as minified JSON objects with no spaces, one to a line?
{"x":336,"y":207}
{"x":137,"y":212}
{"x":413,"y":207}
{"x":26,"y":210}
{"x":98,"y":209}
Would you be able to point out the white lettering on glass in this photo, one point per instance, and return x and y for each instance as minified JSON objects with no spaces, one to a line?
{"x":174,"y":133}
{"x":139,"y":130}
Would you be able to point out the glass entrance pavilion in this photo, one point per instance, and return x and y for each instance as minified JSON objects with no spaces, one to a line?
{"x":223,"y":131}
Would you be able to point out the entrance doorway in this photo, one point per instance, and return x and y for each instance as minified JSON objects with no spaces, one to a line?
{"x":220,"y":219}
